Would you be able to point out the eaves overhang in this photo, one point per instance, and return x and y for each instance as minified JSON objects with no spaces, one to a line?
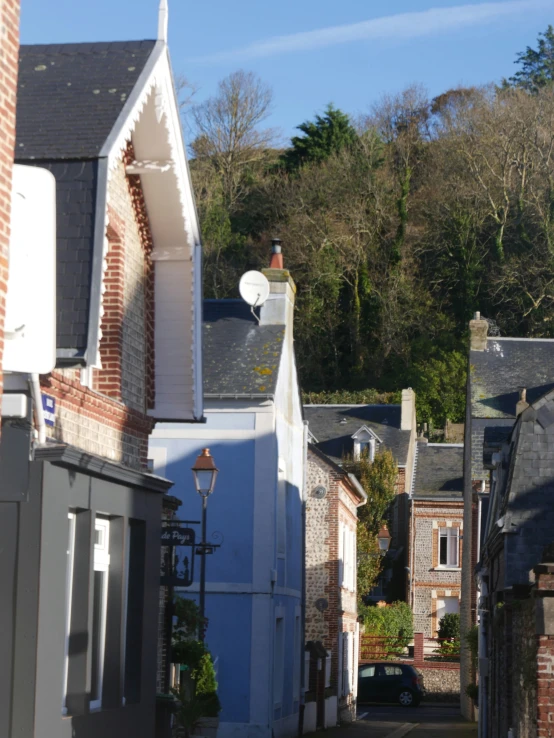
{"x":91,"y":465}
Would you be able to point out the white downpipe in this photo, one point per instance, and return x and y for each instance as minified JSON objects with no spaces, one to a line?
{"x":39,"y":412}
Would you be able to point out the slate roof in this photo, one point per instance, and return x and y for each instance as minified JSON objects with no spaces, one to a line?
{"x":334,"y":425}
{"x":70,"y":95}
{"x":439,"y":471}
{"x":69,"y":98}
{"x":521,"y":498}
{"x":241,"y":358}
{"x":504,"y":366}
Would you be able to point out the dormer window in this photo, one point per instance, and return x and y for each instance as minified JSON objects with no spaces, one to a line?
{"x":365,"y":444}
{"x":366,"y":449}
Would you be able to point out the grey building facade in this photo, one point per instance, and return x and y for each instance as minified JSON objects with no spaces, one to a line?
{"x":62,"y":599}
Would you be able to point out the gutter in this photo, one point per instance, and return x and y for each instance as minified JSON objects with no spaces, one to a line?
{"x":237,"y":396}
{"x":301,"y":645}
{"x":361,"y":491}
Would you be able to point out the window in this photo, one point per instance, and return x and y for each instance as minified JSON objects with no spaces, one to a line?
{"x":449,"y":546}
{"x":447,"y":606}
{"x":279,"y":661}
{"x":347,"y":557}
{"x":392,"y":670}
{"x":367,"y":449}
{"x":366,"y":671}
{"x":99,"y":608}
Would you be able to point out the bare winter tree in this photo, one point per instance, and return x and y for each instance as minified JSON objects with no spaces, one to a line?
{"x":228,"y":133}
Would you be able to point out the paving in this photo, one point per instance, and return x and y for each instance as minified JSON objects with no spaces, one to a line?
{"x":415,"y":722}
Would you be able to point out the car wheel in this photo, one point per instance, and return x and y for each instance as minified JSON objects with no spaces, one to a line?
{"x":406,"y":698}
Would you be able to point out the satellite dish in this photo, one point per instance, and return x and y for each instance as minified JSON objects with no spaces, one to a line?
{"x":254,"y":288}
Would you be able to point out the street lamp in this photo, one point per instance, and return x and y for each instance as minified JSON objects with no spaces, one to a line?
{"x":384,"y":539}
{"x":204,"y":472}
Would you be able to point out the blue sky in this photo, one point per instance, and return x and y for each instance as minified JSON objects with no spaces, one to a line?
{"x":312,"y":51}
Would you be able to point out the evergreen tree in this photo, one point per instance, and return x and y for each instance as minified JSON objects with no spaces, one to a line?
{"x":328,"y":134}
{"x":537,"y":65}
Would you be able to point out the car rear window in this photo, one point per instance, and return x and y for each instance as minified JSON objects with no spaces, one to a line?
{"x":393,"y":670}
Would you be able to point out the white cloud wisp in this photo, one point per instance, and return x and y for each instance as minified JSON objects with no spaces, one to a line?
{"x":392,"y":27}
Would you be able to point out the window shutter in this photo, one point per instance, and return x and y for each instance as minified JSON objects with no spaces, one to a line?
{"x":435,"y":547}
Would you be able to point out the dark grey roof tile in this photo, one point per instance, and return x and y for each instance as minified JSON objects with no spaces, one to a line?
{"x":66,"y":106}
{"x":504,"y":366}
{"x":439,"y":471}
{"x":334,"y":425}
{"x":240,"y":356}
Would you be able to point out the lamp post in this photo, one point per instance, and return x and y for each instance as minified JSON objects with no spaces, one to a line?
{"x":204,"y":472}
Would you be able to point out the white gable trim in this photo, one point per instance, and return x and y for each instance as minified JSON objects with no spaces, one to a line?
{"x":155,"y":79}
{"x":365,"y":429}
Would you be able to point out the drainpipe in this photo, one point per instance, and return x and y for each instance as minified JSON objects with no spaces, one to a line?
{"x":412,"y":572}
{"x":39,"y":412}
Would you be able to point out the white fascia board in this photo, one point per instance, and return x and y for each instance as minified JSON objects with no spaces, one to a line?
{"x":367,"y":430}
{"x":157,"y":76}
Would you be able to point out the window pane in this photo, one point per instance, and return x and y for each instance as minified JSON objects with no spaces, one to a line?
{"x":367,"y":671}
{"x":453,"y":547}
{"x":98,"y":632}
{"x":443,"y":560}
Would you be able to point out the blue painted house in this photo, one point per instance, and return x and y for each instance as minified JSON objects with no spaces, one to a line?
{"x":255,"y":432}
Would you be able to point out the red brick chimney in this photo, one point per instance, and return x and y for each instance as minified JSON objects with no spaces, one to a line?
{"x":276,"y":254}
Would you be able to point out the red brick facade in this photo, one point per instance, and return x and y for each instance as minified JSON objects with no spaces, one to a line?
{"x":109,"y":416}
{"x":9,"y":47}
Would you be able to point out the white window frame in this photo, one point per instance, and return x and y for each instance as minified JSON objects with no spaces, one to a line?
{"x":448,"y":533}
{"x":68,"y":600}
{"x":102,"y":563}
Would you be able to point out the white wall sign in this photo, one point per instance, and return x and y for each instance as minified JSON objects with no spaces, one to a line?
{"x":30,"y":327}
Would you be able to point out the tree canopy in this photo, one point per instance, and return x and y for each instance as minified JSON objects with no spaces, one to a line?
{"x":326,"y":135}
{"x":536,"y":65}
{"x":395,"y":230}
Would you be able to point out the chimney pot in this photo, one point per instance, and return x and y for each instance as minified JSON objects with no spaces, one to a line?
{"x":276,"y":261}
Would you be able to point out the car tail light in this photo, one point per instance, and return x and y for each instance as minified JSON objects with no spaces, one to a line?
{"x":416,"y":681}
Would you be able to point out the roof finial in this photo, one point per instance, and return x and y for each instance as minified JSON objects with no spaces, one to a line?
{"x":162,"y":21}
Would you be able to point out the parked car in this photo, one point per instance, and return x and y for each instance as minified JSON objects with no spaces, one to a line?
{"x":390,"y":683}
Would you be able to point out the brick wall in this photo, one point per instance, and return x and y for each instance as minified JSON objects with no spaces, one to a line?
{"x":109,"y":417}
{"x":9,"y":48}
{"x":126,"y":347}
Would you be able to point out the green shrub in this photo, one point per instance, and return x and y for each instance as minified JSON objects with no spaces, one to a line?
{"x":449,"y":626}
{"x":394,"y":622}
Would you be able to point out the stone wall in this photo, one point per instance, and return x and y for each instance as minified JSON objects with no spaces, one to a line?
{"x":429,"y":582}
{"x":317,"y":549}
{"x":9,"y":48}
{"x":441,"y":685}
{"x":339,"y":612}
